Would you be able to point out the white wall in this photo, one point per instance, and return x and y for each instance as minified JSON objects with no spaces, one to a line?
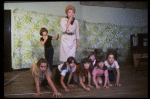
{"x":96,"y":14}
{"x":120,"y":16}
{"x":55,"y":8}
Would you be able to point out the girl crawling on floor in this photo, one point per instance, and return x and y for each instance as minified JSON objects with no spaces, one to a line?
{"x":64,"y":73}
{"x":99,"y":72}
{"x":40,"y":71}
{"x":83,"y":72}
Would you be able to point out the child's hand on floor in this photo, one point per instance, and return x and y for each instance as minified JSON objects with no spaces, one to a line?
{"x":88,"y":89}
{"x":66,"y":89}
{"x":106,"y":87}
{"x":110,"y":85}
{"x":57,"y":94}
{"x":117,"y":84}
{"x":70,"y":85}
{"x":37,"y":94}
{"x":98,"y":87}
{"x":90,"y":86}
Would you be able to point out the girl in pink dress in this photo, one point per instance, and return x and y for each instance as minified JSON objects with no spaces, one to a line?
{"x":98,"y":72}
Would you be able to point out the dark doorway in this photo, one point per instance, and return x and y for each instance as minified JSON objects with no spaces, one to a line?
{"x":7,"y":41}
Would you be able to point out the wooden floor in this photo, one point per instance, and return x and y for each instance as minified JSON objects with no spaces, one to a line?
{"x":18,"y":84}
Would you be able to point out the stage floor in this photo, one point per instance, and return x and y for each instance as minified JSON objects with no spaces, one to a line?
{"x":19,"y":84}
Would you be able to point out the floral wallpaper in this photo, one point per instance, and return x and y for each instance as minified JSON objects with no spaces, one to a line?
{"x":106,"y":35}
{"x":26,"y":38}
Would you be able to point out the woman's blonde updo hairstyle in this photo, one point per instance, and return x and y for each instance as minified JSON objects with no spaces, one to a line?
{"x":70,"y":7}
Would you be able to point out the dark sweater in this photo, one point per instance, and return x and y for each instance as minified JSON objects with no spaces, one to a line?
{"x":48,"y":42}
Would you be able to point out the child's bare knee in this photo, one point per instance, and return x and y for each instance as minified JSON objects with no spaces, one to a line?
{"x":100,"y":82}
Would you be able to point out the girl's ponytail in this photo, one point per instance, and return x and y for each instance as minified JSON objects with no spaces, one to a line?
{"x":69,"y":61}
{"x":64,"y":66}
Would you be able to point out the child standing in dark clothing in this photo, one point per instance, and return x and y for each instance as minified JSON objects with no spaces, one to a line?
{"x":46,"y":41}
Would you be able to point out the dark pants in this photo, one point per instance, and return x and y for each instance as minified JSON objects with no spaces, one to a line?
{"x":58,"y":77}
{"x":49,"y":56}
{"x":111,"y":75}
{"x":66,"y":79}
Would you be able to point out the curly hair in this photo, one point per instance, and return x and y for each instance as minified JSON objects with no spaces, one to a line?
{"x":35,"y":68}
{"x":70,"y":7}
{"x":42,"y":60}
{"x":43,"y":30}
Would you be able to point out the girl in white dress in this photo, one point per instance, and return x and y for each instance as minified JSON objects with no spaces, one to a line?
{"x":70,"y":38}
